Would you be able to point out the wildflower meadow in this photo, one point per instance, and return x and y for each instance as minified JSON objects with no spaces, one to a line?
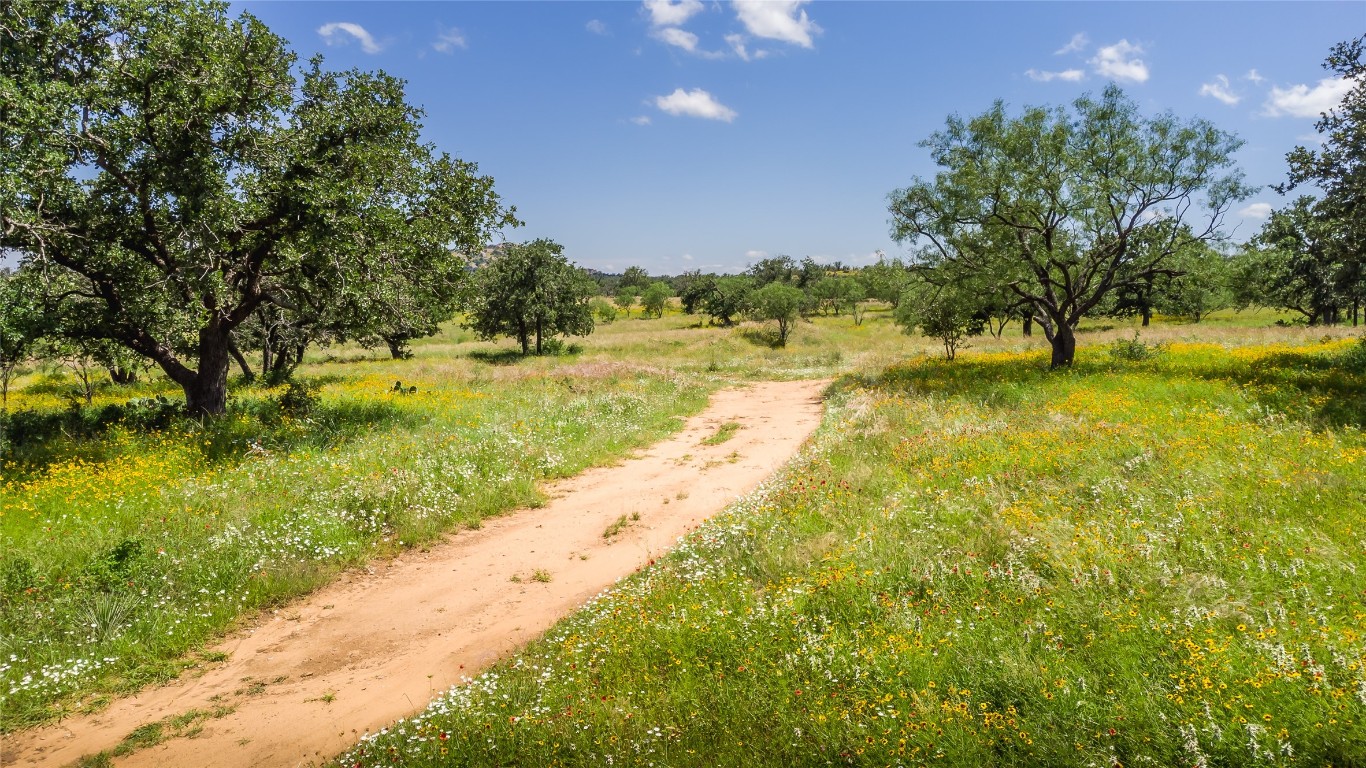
{"x":1149,"y":559}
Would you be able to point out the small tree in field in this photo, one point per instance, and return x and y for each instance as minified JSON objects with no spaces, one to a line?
{"x":780,"y":303}
{"x":945,"y":312}
{"x":625,"y":299}
{"x":530,"y":292}
{"x":603,"y":310}
{"x":655,"y":298}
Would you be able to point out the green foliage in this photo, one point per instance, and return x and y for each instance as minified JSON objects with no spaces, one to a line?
{"x":604,"y":311}
{"x":946,"y":313}
{"x":773,"y":269}
{"x":310,"y":194}
{"x":1133,"y":350}
{"x":1060,"y":208}
{"x":780,"y":303}
{"x":728,"y":299}
{"x":531,"y":293}
{"x":625,"y":299}
{"x":836,"y":294}
{"x":1338,"y":165}
{"x":634,"y":278}
{"x":695,"y":289}
{"x":655,"y":298}
{"x":300,"y":398}
{"x":1302,"y":261}
{"x":886,"y":280}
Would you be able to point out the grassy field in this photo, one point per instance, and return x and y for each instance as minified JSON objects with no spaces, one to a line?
{"x":954,"y":540}
{"x":1152,"y":558}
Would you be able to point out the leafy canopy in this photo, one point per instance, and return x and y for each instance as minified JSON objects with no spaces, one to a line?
{"x":166,"y":172}
{"x":530,"y":292}
{"x":1051,"y":205}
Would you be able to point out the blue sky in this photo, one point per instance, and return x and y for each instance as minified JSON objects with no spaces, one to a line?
{"x":705,"y":135}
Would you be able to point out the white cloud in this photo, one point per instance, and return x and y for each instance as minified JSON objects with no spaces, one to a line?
{"x":641,"y":120}
{"x":676,"y":37}
{"x":334,"y":33}
{"x":448,"y":40}
{"x":756,"y":255}
{"x":1254,"y":76}
{"x":695,"y":103}
{"x":1120,"y":62}
{"x":1075,"y":45}
{"x":1303,"y":101}
{"x":1070,"y":75}
{"x":737,"y":45}
{"x":671,"y":13}
{"x":1256,"y":211}
{"x":1219,"y":89}
{"x":687,"y":257}
{"x":777,"y":20}
{"x":596,"y":27}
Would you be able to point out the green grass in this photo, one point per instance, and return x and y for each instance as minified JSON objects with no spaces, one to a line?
{"x":981,"y":562}
{"x":124,"y":551}
{"x":129,"y":542}
{"x":723,"y":433}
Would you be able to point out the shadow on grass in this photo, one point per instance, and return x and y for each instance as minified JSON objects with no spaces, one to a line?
{"x":497,"y":356}
{"x":763,"y":337}
{"x":34,"y":440}
{"x":1329,"y":389}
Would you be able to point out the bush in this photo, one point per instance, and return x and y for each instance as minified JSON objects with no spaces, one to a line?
{"x":1133,"y":350}
{"x":300,"y":398}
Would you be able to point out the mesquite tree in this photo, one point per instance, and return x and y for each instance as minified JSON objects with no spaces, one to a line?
{"x":1051,"y":205}
{"x":167,"y":175}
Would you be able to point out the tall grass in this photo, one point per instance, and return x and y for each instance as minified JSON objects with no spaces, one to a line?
{"x":984,"y":563}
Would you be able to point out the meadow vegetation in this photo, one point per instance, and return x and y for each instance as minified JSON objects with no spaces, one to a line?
{"x":1148,"y":558}
{"x":977,"y":559}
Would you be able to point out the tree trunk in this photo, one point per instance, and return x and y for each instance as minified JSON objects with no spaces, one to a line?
{"x":1064,"y":346}
{"x":398,"y":347}
{"x":120,"y":375}
{"x":524,"y":336}
{"x":538,"y":336}
{"x":1147,"y":316}
{"x":206,"y":393}
{"x":1028,"y":326}
{"x":242,"y":365}
{"x":267,"y":354}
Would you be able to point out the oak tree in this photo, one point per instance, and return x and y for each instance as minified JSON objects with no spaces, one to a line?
{"x":168,"y":174}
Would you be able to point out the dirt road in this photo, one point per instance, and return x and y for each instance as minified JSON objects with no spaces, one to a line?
{"x":377,"y":645}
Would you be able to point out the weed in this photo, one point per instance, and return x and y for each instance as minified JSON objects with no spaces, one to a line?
{"x":616,"y":527}
{"x":723,"y":433}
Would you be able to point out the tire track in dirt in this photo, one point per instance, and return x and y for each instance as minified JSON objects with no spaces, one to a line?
{"x":378,"y":644}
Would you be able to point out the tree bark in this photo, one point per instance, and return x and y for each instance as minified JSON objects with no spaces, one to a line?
{"x":538,"y":336}
{"x":1028,"y":326}
{"x":206,"y":392}
{"x":1147,"y":316}
{"x":241,"y":359}
{"x":1064,"y":344}
{"x":398,"y":347}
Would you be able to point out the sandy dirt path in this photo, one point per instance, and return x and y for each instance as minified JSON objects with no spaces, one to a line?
{"x":377,"y":645}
